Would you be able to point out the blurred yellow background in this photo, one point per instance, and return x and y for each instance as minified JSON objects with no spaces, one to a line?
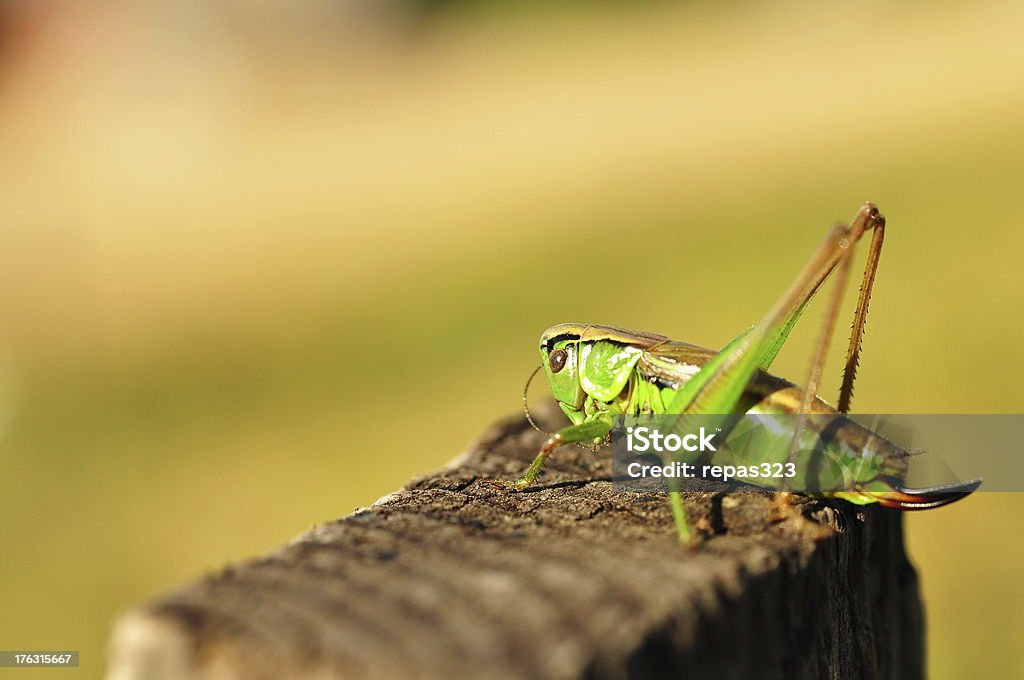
{"x":264,"y":262}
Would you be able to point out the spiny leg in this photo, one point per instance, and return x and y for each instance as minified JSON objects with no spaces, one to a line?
{"x":839,"y":237}
{"x":781,"y":502}
{"x":867,"y":218}
{"x":814,"y":275}
{"x":827,"y":327}
{"x":720,"y":384}
{"x":860,"y":315}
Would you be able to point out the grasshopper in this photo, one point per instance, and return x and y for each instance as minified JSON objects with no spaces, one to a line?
{"x":597,"y":373}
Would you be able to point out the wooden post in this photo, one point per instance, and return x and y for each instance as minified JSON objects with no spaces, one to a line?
{"x":451,"y":579}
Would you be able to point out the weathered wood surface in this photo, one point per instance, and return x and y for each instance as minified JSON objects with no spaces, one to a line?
{"x":451,"y":579}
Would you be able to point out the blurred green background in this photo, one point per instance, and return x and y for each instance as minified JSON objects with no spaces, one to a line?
{"x":239,"y":237}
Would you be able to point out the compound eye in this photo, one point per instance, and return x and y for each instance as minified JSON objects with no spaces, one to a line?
{"x":557,"y":359}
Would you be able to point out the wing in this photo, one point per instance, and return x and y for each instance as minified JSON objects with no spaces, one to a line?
{"x":672,"y":363}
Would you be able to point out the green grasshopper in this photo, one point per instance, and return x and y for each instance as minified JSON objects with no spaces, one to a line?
{"x":598,"y":373}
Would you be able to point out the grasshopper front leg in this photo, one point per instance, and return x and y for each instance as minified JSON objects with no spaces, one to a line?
{"x":595,"y":428}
